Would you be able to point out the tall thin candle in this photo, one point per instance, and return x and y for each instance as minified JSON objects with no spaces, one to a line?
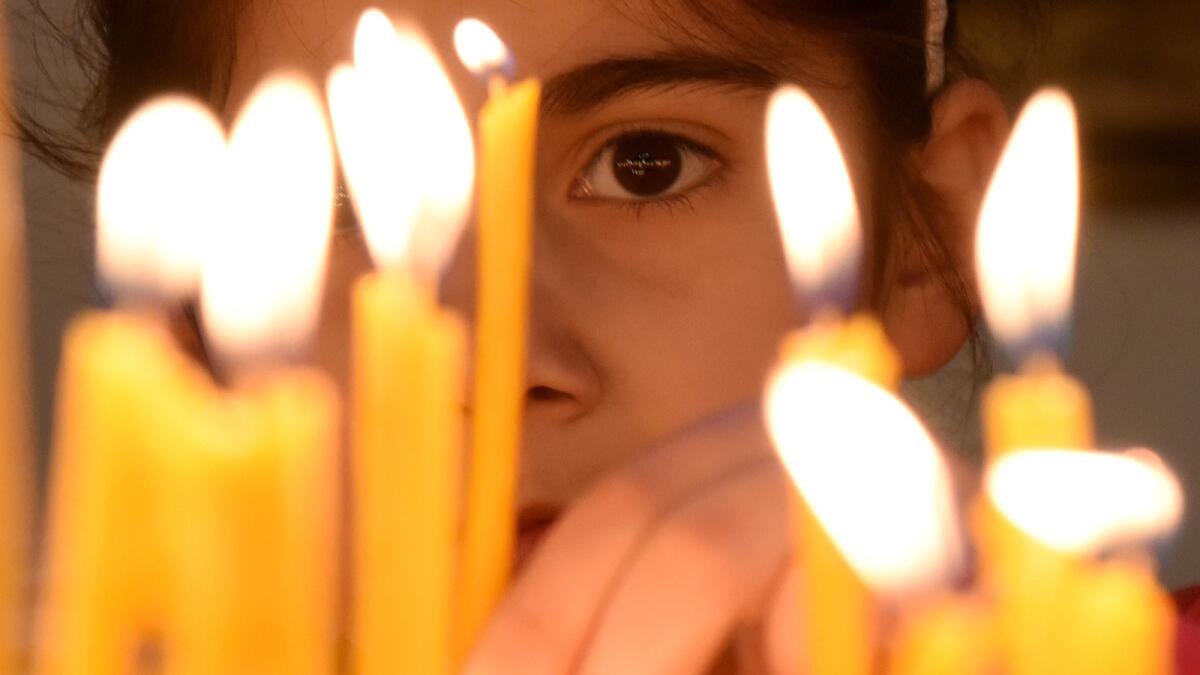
{"x":1026,"y":258}
{"x":263,"y":486}
{"x":105,"y":588}
{"x":396,"y":103}
{"x":508,"y":137}
{"x":818,"y":219}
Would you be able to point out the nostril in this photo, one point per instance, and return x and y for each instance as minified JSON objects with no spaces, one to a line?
{"x":541,"y":393}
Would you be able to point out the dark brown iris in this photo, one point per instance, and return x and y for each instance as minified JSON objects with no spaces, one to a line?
{"x":647,"y":164}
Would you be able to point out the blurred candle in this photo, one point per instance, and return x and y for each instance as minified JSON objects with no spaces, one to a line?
{"x":1048,"y":513}
{"x":407,"y":153}
{"x":1123,"y":624}
{"x":948,"y":636}
{"x":1026,"y":260}
{"x":15,"y":459}
{"x":822,"y":237}
{"x":507,"y":130}
{"x":106,"y":583}
{"x":261,"y":485}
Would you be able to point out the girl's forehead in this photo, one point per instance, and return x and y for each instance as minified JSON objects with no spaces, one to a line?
{"x":547,"y":37}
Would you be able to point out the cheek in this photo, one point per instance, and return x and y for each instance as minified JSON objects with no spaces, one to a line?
{"x":682,"y":315}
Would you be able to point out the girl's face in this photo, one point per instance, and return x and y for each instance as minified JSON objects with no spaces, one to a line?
{"x":660,"y":293}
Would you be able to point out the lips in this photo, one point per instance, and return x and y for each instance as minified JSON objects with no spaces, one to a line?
{"x":533,"y":523}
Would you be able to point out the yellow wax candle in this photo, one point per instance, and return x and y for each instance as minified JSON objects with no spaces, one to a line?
{"x":837,"y":607}
{"x":1046,"y":514}
{"x":104,"y":584}
{"x":1122,"y":624}
{"x":1025,"y":255}
{"x":857,"y":344}
{"x":1042,"y":407}
{"x":950,"y":636}
{"x":407,"y":371}
{"x":408,"y":354}
{"x":262,"y":482}
{"x":253,"y":524}
{"x":1028,"y":583}
{"x":15,"y":470}
{"x":508,"y":137}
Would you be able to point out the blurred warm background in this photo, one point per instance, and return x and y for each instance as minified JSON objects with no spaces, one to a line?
{"x":1134,"y":67}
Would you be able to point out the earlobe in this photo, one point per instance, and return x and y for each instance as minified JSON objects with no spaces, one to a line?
{"x":925,"y":314}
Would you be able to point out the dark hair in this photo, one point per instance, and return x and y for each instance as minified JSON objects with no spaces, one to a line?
{"x":135,"y":49}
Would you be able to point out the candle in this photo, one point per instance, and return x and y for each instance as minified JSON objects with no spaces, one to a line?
{"x":105,"y":583}
{"x":1124,"y":624}
{"x":822,"y":238}
{"x":1025,"y":253}
{"x":393,"y":106}
{"x":102,"y":590}
{"x":829,"y":423}
{"x":508,"y":141}
{"x":1048,"y":512}
{"x":16,"y":474}
{"x":257,"y":473}
{"x":948,"y":636}
{"x":252,"y":521}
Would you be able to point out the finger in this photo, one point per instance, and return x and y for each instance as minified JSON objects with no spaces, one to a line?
{"x":541,"y":624}
{"x":701,"y":572}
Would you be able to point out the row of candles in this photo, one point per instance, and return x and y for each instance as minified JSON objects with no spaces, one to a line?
{"x":202,"y":516}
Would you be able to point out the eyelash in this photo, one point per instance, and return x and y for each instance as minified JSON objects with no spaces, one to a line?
{"x":638,"y":207}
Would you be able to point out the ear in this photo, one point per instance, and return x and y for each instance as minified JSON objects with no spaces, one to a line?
{"x":924,"y":318}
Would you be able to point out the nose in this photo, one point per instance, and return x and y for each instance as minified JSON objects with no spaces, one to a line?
{"x":561,"y":382}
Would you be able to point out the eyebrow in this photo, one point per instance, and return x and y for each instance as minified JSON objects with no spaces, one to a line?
{"x":594,"y":84}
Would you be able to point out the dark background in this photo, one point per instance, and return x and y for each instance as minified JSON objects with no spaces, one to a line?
{"x":1134,"y":68}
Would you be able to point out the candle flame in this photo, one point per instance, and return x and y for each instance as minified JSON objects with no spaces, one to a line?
{"x":405,"y":145}
{"x":157,"y":194}
{"x":1083,"y":502}
{"x":480,"y":49}
{"x":814,"y":199}
{"x":1025,"y":247}
{"x":870,"y":473}
{"x":263,"y":274}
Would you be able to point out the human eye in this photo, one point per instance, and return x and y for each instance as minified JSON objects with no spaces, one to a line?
{"x":642,"y":166}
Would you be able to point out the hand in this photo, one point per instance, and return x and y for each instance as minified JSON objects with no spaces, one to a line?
{"x":660,"y":567}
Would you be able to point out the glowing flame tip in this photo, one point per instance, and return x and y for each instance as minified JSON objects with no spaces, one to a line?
{"x":480,"y":49}
{"x":1083,"y":502}
{"x":896,"y":523}
{"x":1029,"y":227}
{"x":814,"y":199}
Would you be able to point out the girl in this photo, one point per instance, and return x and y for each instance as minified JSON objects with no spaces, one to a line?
{"x":653,"y":528}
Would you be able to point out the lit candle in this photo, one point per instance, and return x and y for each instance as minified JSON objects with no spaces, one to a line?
{"x":1123,"y":623}
{"x":828,"y":424}
{"x":1048,"y":513}
{"x":822,"y":237}
{"x":407,"y":153}
{"x":105,"y":588}
{"x":16,"y":474}
{"x":254,"y":488}
{"x":1025,"y":254}
{"x":508,"y":139}
{"x":948,"y":636}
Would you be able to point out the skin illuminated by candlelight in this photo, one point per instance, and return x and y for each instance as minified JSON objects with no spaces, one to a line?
{"x":660,"y":297}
